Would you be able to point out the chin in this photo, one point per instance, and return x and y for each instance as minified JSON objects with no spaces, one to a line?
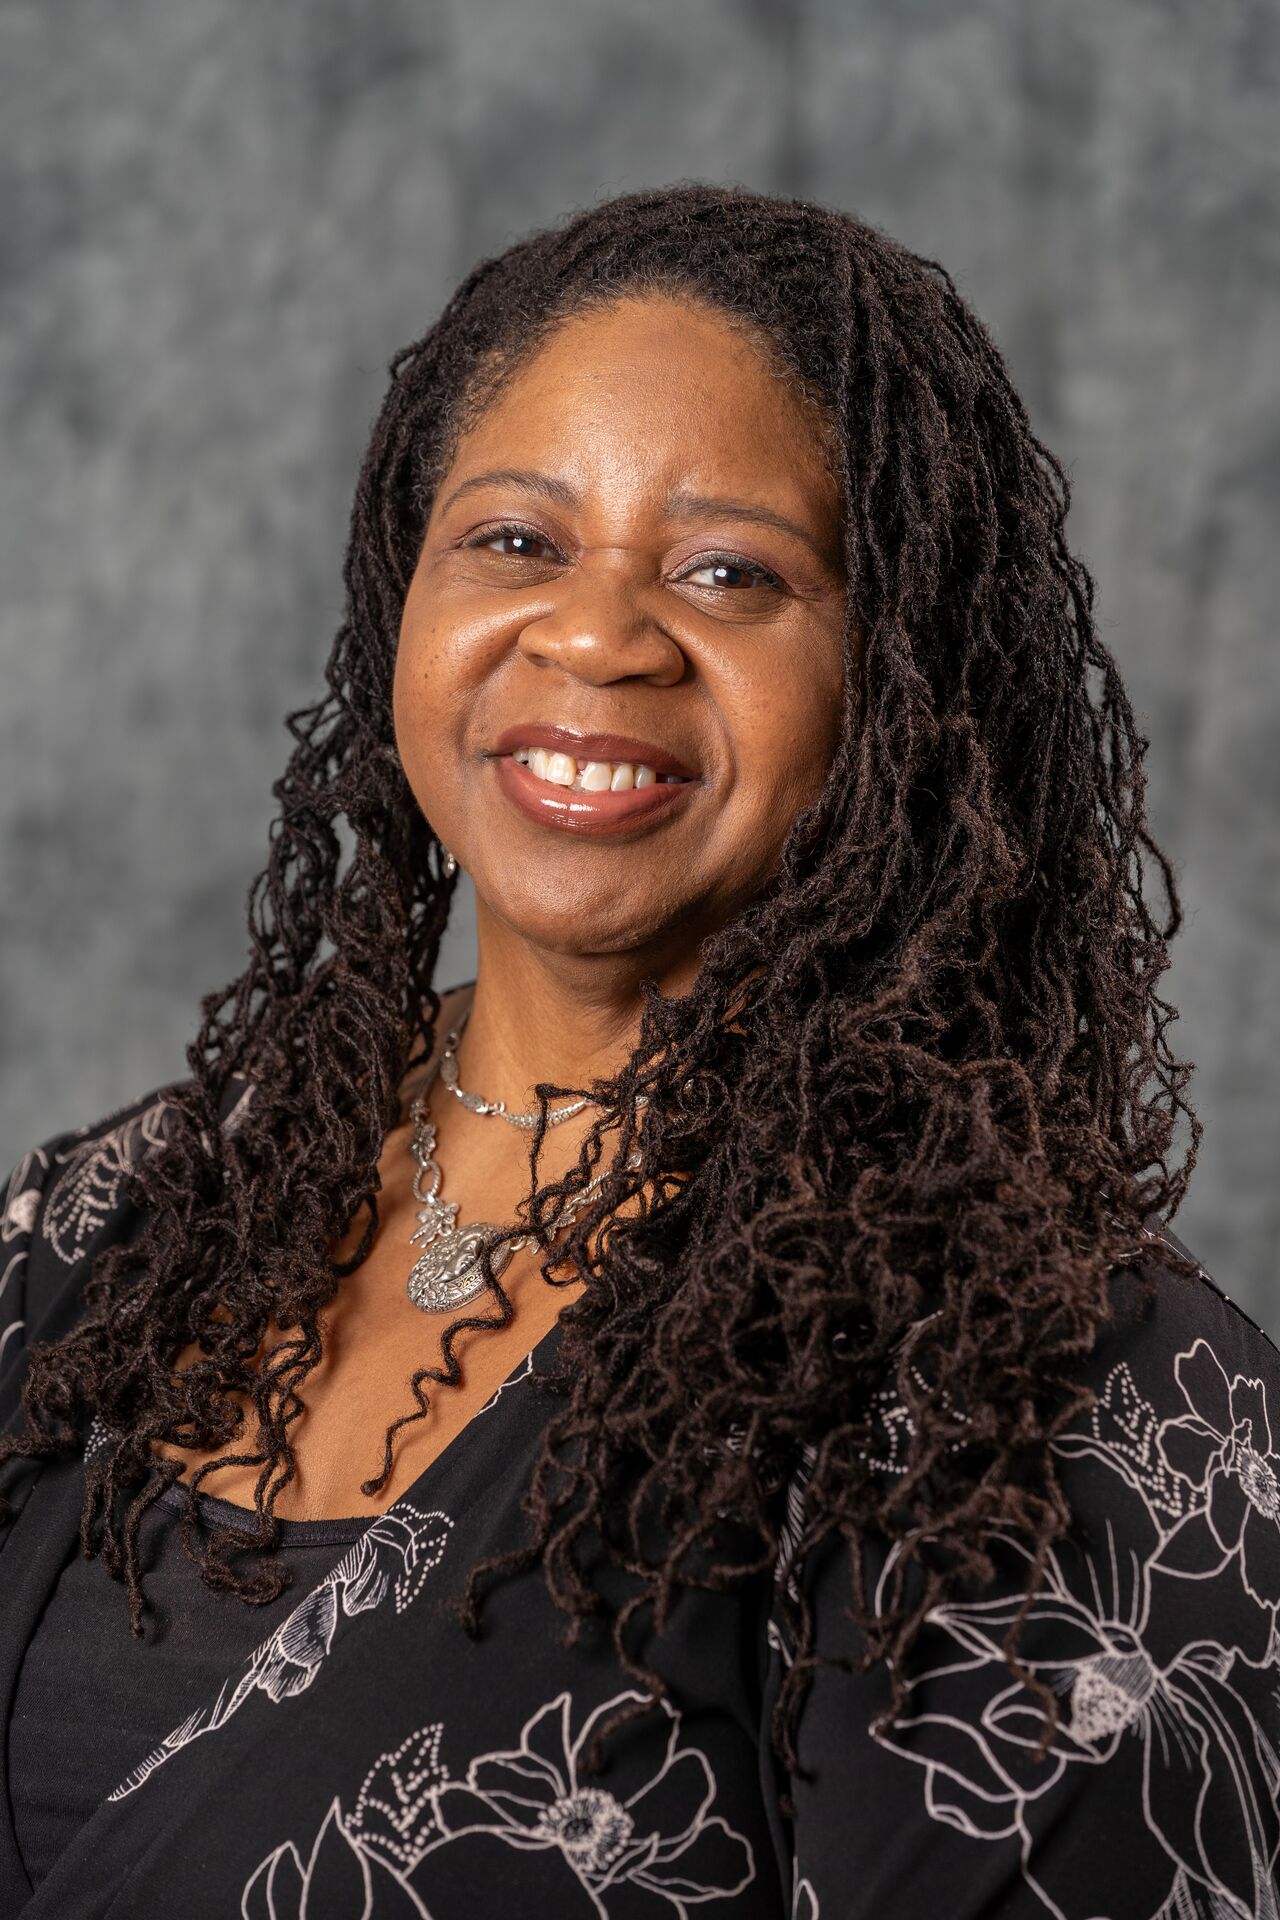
{"x":590,"y":928}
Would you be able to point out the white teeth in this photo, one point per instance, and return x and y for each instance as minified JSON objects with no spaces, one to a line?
{"x":561,"y":769}
{"x":589,"y":776}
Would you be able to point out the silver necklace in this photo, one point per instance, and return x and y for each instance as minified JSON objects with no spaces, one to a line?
{"x":449,"y":1272}
{"x":473,"y":1102}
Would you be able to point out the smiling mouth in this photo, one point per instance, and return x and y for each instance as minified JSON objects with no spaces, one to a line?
{"x":592,"y":776}
{"x":590,"y":783}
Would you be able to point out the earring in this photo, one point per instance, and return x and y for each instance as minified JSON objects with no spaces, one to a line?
{"x":449,"y":864}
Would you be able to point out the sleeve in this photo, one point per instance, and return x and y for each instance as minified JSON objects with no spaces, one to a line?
{"x":23,"y":1196}
{"x":1155,"y":1628}
{"x":65,"y":1201}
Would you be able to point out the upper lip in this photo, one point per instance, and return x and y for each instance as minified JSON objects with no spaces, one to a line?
{"x":592,"y":746}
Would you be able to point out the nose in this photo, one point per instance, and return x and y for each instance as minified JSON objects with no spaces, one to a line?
{"x":600,"y":631}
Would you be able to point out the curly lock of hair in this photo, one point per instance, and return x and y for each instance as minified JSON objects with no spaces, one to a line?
{"x":916,"y":1108}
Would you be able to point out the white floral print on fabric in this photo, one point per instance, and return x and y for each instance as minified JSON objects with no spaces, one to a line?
{"x":22,"y":1200}
{"x":1128,"y":1632}
{"x":662,"y":1836}
{"x":18,"y":1219}
{"x":523,"y":1372}
{"x":340,"y":1876}
{"x":1222,"y":1447}
{"x":233,"y":1119}
{"x":17,"y":1223}
{"x":86,"y":1189}
{"x":892,"y":1429}
{"x":660,"y":1843}
{"x":395,"y":1812}
{"x":804,"y":1901}
{"x":393,"y":1556}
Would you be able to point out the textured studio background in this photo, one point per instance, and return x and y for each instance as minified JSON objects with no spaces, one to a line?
{"x":220,"y":220}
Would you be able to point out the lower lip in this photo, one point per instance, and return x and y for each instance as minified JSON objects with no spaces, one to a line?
{"x":593,"y":813}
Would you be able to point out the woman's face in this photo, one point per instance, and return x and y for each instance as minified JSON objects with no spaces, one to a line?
{"x":620,"y":667}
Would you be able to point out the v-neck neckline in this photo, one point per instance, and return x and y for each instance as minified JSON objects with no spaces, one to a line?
{"x":347,"y":1528}
{"x":532,"y":1363}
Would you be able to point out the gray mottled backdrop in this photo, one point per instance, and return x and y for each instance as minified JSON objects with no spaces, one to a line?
{"x":220,"y":220}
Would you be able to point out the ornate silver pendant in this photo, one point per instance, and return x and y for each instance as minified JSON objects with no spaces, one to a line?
{"x":447,"y":1274}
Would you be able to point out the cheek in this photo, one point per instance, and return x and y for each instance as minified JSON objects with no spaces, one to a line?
{"x":444,"y":663}
{"x":411,"y":702}
{"x":422,"y":697}
{"x":787,"y":729}
{"x":430,"y":682}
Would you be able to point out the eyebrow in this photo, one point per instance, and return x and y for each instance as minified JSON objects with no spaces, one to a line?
{"x":527,"y":477}
{"x":695,"y":506}
{"x":679,"y":505}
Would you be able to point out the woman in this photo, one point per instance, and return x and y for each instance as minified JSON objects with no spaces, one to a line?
{"x":792,"y":1469}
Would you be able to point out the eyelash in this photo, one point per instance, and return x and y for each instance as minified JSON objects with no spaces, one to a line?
{"x":521,"y":531}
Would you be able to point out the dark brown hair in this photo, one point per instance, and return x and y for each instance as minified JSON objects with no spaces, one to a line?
{"x":917,"y":1107}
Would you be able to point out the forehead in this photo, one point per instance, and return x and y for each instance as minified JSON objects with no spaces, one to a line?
{"x":667,"y":387}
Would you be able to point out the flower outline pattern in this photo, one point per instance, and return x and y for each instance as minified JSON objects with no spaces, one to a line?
{"x":1126,"y":1630}
{"x":531,"y":1798}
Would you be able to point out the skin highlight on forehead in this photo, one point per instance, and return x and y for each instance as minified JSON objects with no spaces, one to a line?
{"x":497,"y":369}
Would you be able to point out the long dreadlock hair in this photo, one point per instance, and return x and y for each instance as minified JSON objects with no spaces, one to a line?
{"x":916,"y":1108}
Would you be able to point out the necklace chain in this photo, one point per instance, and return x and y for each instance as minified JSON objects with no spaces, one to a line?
{"x":498,"y":1108}
{"x":449,"y":1271}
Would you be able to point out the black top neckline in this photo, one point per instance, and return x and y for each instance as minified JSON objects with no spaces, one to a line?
{"x":341,"y":1532}
{"x":291,"y":1533}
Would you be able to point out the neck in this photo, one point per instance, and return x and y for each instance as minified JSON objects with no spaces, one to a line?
{"x":541,"y":1016}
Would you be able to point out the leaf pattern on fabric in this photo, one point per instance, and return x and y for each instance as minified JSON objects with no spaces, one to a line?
{"x":22,"y":1202}
{"x":86,"y":1190}
{"x":340,"y":1877}
{"x":660,"y":1841}
{"x":18,"y":1217}
{"x":393,"y":1556}
{"x":1182,"y":1514}
{"x":396,"y":1806}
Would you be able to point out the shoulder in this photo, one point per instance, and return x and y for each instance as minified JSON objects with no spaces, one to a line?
{"x":1183,"y":1429}
{"x":1154,"y":1626}
{"x":1187,"y":1304}
{"x":66,"y":1201}
{"x":1181,"y":1448}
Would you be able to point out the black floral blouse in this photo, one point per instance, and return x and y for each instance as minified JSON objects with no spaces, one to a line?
{"x":362,"y":1757}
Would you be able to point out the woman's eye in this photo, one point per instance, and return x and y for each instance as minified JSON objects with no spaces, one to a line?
{"x":730,"y":572}
{"x":515,"y":543}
